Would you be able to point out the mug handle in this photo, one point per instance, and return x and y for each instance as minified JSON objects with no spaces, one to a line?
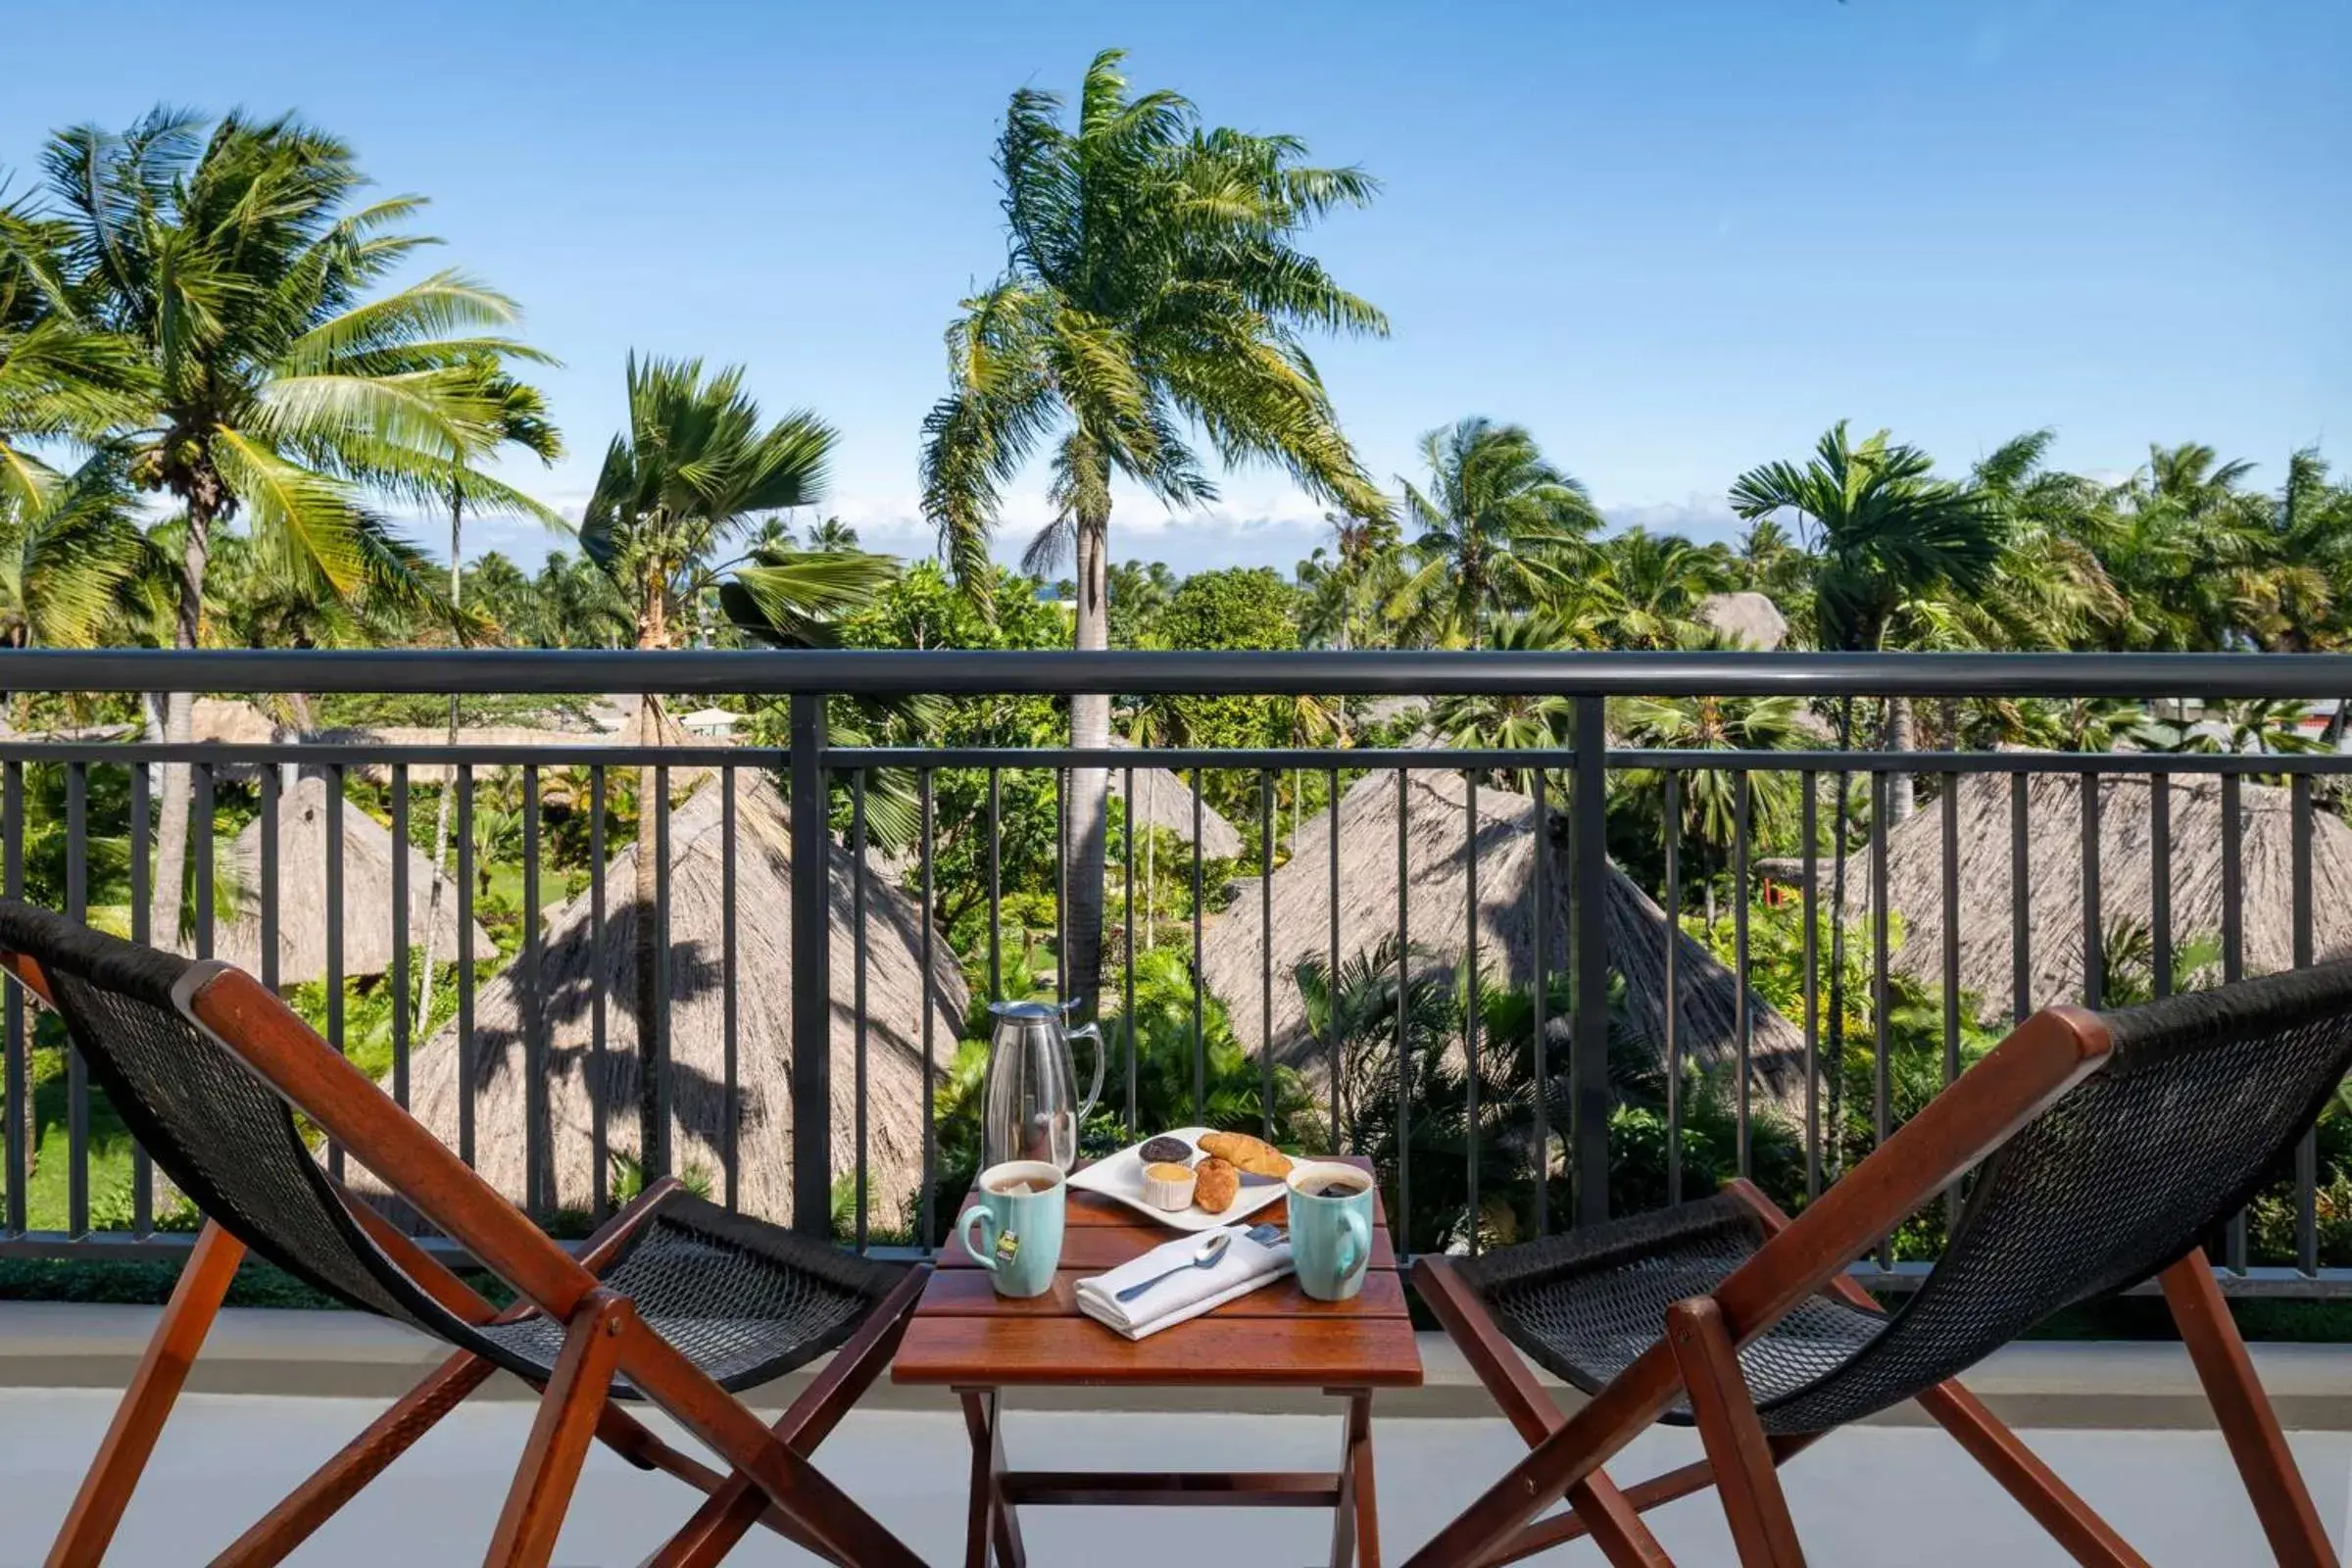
{"x":985,"y":1254}
{"x":1355,"y":1238}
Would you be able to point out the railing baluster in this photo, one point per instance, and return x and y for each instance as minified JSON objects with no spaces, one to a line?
{"x":22,"y":1129}
{"x":1200,"y":1024}
{"x":1265,"y":951}
{"x":2160,"y":881}
{"x":200,"y":855}
{"x":1673,"y":999}
{"x":2234,"y":954}
{"x":333,"y":781}
{"x":1540,"y":890}
{"x":995,"y":887}
{"x":77,"y":1073}
{"x":143,"y":889}
{"x":400,"y":932}
{"x":538,"y":1161}
{"x":2021,"y":922}
{"x":857,"y":977}
{"x":464,"y":959}
{"x":600,"y":1082}
{"x":930,"y":1006}
{"x":2094,"y":939}
{"x":1588,"y":960}
{"x":1471,"y":1019}
{"x":271,"y":936}
{"x":730,"y":1099}
{"x":1400,"y":1224}
{"x":1743,"y":1019}
{"x":1339,"y":1139}
{"x":2307,"y":1151}
{"x":1809,"y":830}
{"x":1882,"y":1101}
{"x":812,"y":965}
{"x":1951,"y":959}
{"x":1061,"y":884}
{"x":659,"y":1159}
{"x":1127,"y":956}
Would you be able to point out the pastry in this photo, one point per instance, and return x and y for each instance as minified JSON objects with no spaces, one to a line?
{"x":1216,"y":1183}
{"x":1248,"y":1154}
{"x":1165,"y":1148}
{"x":1169,"y":1185}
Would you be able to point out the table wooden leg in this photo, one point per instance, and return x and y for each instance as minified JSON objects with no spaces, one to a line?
{"x":990,"y":1519}
{"x":1355,"y":1520}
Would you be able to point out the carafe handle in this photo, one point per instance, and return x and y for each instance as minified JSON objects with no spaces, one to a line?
{"x":1093,"y":1032}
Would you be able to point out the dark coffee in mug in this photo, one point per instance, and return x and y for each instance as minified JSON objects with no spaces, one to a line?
{"x":1339,"y":1187}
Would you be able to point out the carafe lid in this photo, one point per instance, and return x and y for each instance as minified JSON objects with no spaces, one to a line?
{"x":1028,"y":1009}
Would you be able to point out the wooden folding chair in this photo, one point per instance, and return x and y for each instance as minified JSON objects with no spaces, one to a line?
{"x":2111,"y":1147}
{"x":675,"y":1300}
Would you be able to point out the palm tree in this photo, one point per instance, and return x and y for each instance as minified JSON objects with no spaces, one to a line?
{"x":832,"y":537}
{"x":1646,"y":588}
{"x":1884,"y":533}
{"x":692,"y":473}
{"x":1499,"y":530}
{"x":1512,"y":721}
{"x":67,"y":550}
{"x":275,"y":384}
{"x":59,"y":377}
{"x":1153,"y":293}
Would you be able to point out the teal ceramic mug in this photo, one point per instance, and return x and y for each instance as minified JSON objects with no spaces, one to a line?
{"x":1018,"y":1212}
{"x":1331,"y":1229}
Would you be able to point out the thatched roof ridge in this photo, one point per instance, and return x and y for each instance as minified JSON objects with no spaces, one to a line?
{"x":574,"y":970}
{"x":1436,"y":911}
{"x":302,"y":894}
{"x":2127,"y":878}
{"x":1162,"y":799}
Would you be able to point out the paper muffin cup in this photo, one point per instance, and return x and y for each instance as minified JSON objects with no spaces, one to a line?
{"x":1168,"y":1187}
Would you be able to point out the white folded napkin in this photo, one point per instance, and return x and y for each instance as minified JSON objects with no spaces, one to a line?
{"x":1245,"y":1266}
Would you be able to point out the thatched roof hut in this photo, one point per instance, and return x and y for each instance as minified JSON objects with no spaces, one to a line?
{"x":302,"y":894}
{"x":2126,"y":879}
{"x":1436,"y":911}
{"x":574,"y":970}
{"x":223,"y":722}
{"x":1164,"y":801}
{"x":1749,"y":619}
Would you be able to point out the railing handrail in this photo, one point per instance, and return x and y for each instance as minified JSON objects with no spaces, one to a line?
{"x":901,"y":672}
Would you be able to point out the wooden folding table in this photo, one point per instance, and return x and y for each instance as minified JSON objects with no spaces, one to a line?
{"x":964,"y":1337}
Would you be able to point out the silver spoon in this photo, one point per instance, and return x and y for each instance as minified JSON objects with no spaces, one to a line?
{"x":1212,"y":1246}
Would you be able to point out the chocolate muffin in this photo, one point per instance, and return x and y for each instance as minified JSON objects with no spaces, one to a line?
{"x":1167,"y":1151}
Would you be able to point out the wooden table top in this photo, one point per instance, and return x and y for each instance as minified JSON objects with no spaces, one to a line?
{"x":965,"y":1335}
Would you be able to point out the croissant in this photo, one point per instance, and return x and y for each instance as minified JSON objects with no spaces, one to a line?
{"x":1255,"y":1156}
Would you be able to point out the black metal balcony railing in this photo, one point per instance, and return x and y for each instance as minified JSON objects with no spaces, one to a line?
{"x":1583,"y":953}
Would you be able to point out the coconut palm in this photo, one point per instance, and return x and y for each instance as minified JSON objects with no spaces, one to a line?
{"x":276,"y":383}
{"x":690,"y":476}
{"x":1500,"y":530}
{"x":1512,"y":721}
{"x":1886,"y":533}
{"x":69,"y":547}
{"x":1154,"y":296}
{"x":60,"y":376}
{"x":1646,"y":588}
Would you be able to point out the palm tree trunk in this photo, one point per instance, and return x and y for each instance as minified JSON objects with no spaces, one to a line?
{"x":1088,"y":816}
{"x":1903,"y":797}
{"x":177,"y":798}
{"x":449,"y":789}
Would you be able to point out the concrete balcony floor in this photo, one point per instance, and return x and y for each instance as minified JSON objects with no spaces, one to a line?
{"x":1871,"y":1495}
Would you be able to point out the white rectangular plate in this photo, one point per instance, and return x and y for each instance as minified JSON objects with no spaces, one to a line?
{"x":1120,"y":1176}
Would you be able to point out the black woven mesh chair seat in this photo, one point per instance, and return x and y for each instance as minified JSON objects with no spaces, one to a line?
{"x":2197,"y":1104}
{"x":1586,"y":1304}
{"x":743,"y":1299}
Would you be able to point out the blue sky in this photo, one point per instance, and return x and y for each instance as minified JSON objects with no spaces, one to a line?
{"x":1674,"y":239}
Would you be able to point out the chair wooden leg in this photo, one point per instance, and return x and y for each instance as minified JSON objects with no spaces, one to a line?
{"x":2281,"y":1501}
{"x":566,"y":1425}
{"x":1615,"y":1525}
{"x":2054,"y":1506}
{"x":1744,"y":1477}
{"x":97,"y":1509}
